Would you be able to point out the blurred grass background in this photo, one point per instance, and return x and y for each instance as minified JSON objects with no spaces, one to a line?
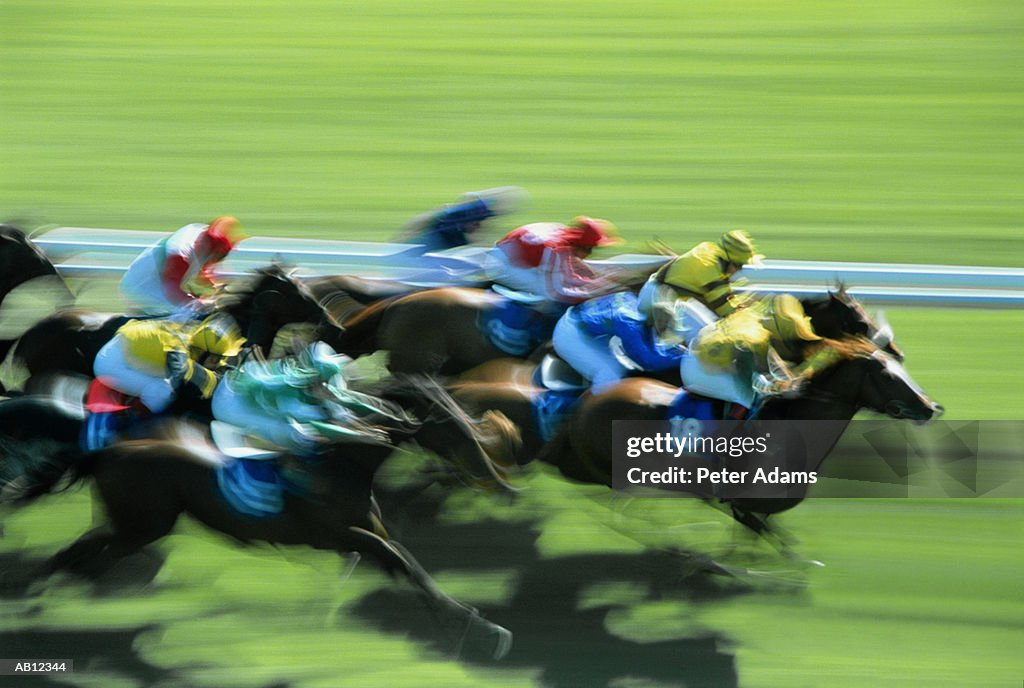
{"x":868,"y":131}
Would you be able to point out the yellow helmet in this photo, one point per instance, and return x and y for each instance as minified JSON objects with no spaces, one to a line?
{"x":218,"y":334}
{"x":788,"y":320}
{"x":739,"y":248}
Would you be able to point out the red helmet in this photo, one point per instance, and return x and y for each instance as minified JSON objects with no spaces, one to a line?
{"x":223,"y":233}
{"x":588,"y":232}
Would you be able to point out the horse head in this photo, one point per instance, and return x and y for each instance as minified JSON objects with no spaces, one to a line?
{"x":876,"y":381}
{"x":840,"y":313}
{"x":273,"y":297}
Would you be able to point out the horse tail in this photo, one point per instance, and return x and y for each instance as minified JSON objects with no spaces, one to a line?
{"x":497,"y":437}
{"x":40,"y":448}
{"x":359,"y":332}
{"x":36,"y":468}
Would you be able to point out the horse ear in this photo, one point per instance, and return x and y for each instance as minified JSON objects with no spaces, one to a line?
{"x":883,"y":335}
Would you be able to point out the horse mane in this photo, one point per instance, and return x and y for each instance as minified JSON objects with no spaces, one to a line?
{"x":247,"y":286}
{"x":849,"y":346}
{"x":35,"y":467}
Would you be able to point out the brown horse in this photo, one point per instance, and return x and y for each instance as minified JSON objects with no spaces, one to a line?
{"x":343,"y":296}
{"x":146,"y":485}
{"x":582,"y":448}
{"x":432,"y":331}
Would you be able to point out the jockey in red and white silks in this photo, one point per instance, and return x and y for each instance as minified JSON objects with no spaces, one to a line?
{"x":179,"y":269}
{"x":546,"y":259}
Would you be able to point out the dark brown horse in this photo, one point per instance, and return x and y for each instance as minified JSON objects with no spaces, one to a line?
{"x":439,"y":330}
{"x":432,"y":331}
{"x":146,"y":485}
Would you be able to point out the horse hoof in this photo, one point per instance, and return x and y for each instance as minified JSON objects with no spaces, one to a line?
{"x":502,"y":641}
{"x":484,"y":638}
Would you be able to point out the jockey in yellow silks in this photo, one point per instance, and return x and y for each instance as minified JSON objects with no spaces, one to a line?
{"x":153,"y":359}
{"x":694,"y":289}
{"x":731,"y":358}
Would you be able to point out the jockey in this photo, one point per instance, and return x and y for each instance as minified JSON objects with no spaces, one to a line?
{"x":178,"y":270}
{"x":701,"y":275}
{"x":768,"y":348}
{"x":607,"y":337}
{"x":297,"y":403}
{"x":546,"y":259}
{"x":451,"y":225}
{"x":154,"y":360}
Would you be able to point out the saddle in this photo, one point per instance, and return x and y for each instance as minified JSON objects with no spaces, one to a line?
{"x":687,"y":406}
{"x":108,"y":413}
{"x":519,"y":323}
{"x":562,"y":387}
{"x":249,"y":479}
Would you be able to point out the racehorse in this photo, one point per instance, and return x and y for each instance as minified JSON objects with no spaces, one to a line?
{"x":342,"y":296}
{"x":21,"y":261}
{"x":69,"y":340}
{"x":146,"y":485}
{"x":439,"y":330}
{"x":582,"y":447}
{"x":432,"y":331}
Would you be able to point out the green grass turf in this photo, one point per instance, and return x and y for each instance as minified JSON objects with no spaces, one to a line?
{"x":868,"y":131}
{"x":877,"y":131}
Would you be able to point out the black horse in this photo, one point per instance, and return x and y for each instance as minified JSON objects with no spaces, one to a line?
{"x":68,"y":341}
{"x":145,"y":485}
{"x":20,"y":262}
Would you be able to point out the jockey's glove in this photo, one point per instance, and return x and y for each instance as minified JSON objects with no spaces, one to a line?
{"x":178,"y":364}
{"x":770,"y":386}
{"x":183,"y":372}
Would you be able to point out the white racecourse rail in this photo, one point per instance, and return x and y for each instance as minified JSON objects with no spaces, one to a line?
{"x":81,"y":252}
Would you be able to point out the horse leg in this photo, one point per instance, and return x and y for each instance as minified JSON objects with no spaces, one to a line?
{"x":456,"y":618}
{"x":138,"y":514}
{"x":77,"y":557}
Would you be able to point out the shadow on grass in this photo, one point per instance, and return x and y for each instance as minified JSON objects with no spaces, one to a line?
{"x":111,"y":651}
{"x":572,"y":646}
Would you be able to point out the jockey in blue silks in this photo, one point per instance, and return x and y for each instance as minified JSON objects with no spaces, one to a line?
{"x":452,"y":225}
{"x":607,"y":337}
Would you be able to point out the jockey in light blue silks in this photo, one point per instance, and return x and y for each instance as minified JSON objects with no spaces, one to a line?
{"x":607,"y":337}
{"x":297,"y":404}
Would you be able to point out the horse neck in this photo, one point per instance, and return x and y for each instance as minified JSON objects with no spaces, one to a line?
{"x":835,"y":397}
{"x":359,"y":335}
{"x":826,"y":315}
{"x":349,"y":462}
